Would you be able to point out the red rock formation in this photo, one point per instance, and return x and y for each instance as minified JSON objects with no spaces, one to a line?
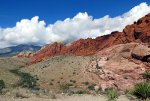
{"x":137,"y":32}
{"x":47,"y":51}
{"x":116,"y":68}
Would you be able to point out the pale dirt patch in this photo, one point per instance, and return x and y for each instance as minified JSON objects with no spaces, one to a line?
{"x":68,"y":98}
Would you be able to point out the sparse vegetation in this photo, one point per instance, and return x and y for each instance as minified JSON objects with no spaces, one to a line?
{"x":91,"y":87}
{"x":97,"y":66}
{"x":52,"y":80}
{"x":74,"y":73}
{"x":18,"y":95}
{"x":65,"y":87}
{"x":2,"y":85}
{"x":112,"y":95}
{"x":81,"y":92}
{"x":51,"y":83}
{"x":127,"y":91}
{"x":86,"y":83}
{"x":146,"y":75}
{"x":142,"y":90}
{"x":73,"y":81}
{"x":27,"y":80}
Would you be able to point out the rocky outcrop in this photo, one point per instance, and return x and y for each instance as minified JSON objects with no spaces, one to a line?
{"x":137,"y":32}
{"x":116,"y":68}
{"x":47,"y":51}
{"x":141,"y":52}
{"x":26,"y":54}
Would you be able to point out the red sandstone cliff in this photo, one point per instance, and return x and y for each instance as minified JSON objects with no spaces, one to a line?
{"x":137,"y":32}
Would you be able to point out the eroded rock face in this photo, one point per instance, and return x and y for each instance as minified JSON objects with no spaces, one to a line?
{"x":47,"y":51}
{"x":116,"y":68}
{"x":137,"y":32}
{"x":25,"y":54}
{"x":141,"y":52}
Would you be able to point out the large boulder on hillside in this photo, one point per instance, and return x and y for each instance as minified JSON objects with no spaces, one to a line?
{"x":141,"y":52}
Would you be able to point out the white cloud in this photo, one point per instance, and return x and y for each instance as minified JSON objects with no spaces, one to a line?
{"x":80,"y":26}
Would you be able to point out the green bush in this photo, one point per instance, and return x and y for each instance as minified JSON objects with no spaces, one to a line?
{"x":142,"y":90}
{"x":92,"y":87}
{"x":146,"y":75}
{"x":2,"y":85}
{"x":28,"y":81}
{"x":112,"y":95}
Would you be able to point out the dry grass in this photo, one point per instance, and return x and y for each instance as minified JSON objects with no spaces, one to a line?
{"x":60,"y":70}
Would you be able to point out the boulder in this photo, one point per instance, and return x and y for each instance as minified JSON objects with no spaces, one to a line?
{"x":141,"y":52}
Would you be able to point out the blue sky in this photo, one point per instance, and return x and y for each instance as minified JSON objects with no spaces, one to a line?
{"x":41,"y":22}
{"x":12,"y":11}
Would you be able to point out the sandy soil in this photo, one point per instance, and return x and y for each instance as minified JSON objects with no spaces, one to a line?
{"x":68,"y":98}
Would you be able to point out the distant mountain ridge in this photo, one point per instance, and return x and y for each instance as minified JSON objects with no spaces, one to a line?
{"x":14,"y":50}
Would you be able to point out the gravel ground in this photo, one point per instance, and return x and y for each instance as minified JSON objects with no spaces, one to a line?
{"x":68,"y":98}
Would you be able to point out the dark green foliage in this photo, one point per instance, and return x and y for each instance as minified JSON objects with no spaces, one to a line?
{"x":91,"y":87}
{"x":2,"y":85}
{"x":27,"y":80}
{"x":142,"y":90}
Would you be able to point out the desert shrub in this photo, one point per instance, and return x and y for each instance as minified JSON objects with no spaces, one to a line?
{"x":18,"y":95}
{"x":97,"y":66}
{"x":2,"y":85}
{"x":51,"y":83}
{"x":146,"y":75}
{"x":53,"y":96}
{"x":65,"y":87}
{"x":111,"y":94}
{"x":74,"y":73}
{"x":91,"y":87}
{"x":127,"y":91}
{"x":52,"y":80}
{"x":86,"y":83}
{"x":142,"y":90}
{"x":27,"y":80}
{"x":73,"y":81}
{"x":81,"y":92}
{"x":15,"y":71}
